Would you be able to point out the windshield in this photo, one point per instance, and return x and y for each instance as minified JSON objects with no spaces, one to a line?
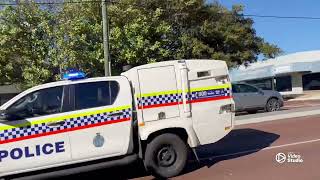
{"x":41,"y":102}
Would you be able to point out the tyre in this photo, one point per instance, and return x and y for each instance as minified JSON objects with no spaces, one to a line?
{"x":273,"y":104}
{"x":166,"y":156}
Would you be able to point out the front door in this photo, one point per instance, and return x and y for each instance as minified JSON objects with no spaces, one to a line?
{"x":32,"y":136}
{"x":102,"y":118}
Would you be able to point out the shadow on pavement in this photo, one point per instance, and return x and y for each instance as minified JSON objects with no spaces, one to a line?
{"x":238,"y":143}
{"x":247,"y":141}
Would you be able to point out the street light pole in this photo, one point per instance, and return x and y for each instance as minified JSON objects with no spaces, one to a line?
{"x":107,"y":71}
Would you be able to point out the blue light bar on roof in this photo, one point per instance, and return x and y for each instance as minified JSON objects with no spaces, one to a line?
{"x":74,"y":75}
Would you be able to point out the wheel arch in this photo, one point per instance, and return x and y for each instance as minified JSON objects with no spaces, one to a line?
{"x":179,"y":131}
{"x":271,"y":97}
{"x":182,"y":127}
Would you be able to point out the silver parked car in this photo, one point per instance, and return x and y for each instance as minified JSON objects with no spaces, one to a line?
{"x":251,"y":99}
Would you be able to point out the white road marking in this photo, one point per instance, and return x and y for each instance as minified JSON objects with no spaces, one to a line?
{"x":266,"y":148}
{"x":291,"y":144}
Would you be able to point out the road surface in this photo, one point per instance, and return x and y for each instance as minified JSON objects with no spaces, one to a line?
{"x":301,"y":103}
{"x":248,"y":153}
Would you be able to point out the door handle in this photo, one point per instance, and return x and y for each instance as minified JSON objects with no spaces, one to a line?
{"x":115,"y":114}
{"x":56,"y":123}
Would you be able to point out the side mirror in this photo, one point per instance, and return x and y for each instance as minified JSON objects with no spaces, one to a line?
{"x":261,"y":92}
{"x":8,"y":115}
{"x":4,"y":116}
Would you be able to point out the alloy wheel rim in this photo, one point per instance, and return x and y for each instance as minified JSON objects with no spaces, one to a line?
{"x":166,"y":156}
{"x":274,"y":105}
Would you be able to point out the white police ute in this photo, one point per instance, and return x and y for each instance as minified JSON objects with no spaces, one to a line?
{"x":154,"y":113}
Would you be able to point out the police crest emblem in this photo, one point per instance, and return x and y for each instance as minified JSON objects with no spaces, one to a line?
{"x":98,"y":140}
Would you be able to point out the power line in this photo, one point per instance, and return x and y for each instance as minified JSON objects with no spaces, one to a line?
{"x":282,"y":17}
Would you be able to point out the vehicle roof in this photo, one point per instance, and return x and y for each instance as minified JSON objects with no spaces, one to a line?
{"x":172,"y":62}
{"x":57,"y":83}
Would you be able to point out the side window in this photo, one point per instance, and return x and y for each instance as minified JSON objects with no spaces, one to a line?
{"x":95,"y":94}
{"x":38,"y":103}
{"x":235,"y":88}
{"x":247,"y":89}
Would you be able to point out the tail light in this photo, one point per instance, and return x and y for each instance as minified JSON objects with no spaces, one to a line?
{"x":222,"y":79}
{"x":227,"y":108}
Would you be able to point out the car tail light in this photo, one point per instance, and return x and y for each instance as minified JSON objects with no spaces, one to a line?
{"x":222,"y":79}
{"x":227,"y":108}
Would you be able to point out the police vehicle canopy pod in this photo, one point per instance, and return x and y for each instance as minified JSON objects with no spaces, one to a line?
{"x":174,"y":91}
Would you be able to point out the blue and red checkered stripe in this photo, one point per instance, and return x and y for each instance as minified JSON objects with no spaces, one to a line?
{"x":159,"y":100}
{"x":70,"y":124}
{"x":176,"y":98}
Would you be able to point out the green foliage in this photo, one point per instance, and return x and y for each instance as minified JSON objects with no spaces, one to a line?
{"x":25,"y":41}
{"x":79,"y":38}
{"x":36,"y":42}
{"x":138,"y":35}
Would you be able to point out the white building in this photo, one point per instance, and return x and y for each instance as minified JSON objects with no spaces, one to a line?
{"x":291,"y":74}
{"x":7,"y":92}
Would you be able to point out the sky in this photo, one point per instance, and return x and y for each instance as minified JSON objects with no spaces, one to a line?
{"x":291,"y":35}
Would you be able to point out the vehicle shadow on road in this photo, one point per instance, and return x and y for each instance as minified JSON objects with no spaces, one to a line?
{"x":238,"y":143}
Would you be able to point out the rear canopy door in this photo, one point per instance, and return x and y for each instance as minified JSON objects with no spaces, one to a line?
{"x":159,"y":96}
{"x":209,"y":93}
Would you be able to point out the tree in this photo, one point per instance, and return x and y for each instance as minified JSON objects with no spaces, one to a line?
{"x":26,"y":43}
{"x":37,"y":43}
{"x":138,"y":35}
{"x":79,"y":38}
{"x":144,"y":31}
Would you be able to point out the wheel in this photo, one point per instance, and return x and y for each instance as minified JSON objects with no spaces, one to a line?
{"x":252,"y":111}
{"x":166,"y":156}
{"x":273,"y":104}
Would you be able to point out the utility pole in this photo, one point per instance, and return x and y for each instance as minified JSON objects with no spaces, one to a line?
{"x":107,"y":71}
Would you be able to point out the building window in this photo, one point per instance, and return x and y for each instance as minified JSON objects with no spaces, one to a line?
{"x":311,"y":81}
{"x":283,"y":83}
{"x":265,"y":84}
{"x":6,"y":97}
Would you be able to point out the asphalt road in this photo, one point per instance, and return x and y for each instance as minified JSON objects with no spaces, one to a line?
{"x":248,"y":153}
